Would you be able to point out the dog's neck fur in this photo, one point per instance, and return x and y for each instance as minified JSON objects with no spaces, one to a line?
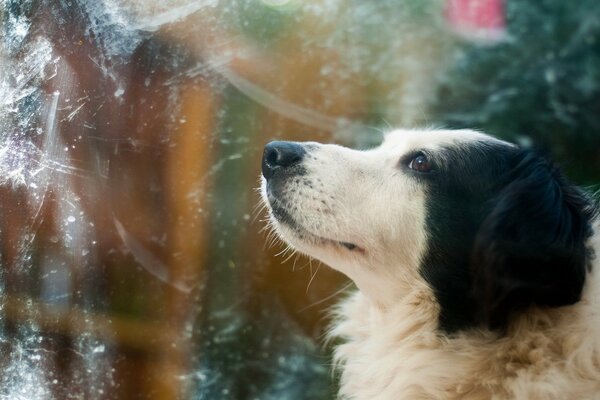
{"x":396,"y":352}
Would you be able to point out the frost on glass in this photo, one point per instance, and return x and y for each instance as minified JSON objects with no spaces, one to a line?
{"x":132,"y":258}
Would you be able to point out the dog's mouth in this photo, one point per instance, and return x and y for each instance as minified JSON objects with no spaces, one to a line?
{"x":282,"y":216}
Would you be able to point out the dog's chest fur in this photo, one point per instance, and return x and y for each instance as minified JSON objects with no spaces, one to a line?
{"x":398,"y":354}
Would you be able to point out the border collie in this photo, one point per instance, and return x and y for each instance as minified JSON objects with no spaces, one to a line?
{"x":473,"y":260}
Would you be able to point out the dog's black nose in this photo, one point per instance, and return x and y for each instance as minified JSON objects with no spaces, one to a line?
{"x":280,"y":155}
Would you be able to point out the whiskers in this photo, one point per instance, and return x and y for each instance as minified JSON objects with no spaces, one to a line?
{"x":260,"y":209}
{"x":312,"y":276}
{"x":288,"y":252}
{"x":338,"y":292}
{"x":272,"y":238}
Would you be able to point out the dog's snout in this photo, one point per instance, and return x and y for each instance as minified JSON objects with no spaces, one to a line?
{"x":281,"y":155}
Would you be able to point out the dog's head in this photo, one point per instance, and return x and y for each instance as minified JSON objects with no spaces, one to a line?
{"x":490,"y":228}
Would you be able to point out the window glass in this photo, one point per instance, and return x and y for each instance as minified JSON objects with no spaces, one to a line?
{"x":134,"y":260}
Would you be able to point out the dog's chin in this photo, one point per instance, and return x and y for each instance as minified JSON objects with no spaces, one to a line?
{"x":310,"y":243}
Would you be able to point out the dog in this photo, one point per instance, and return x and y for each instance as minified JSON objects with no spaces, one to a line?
{"x":473,"y":259}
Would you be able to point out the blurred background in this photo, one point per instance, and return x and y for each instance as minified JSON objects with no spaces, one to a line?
{"x":133,"y":261}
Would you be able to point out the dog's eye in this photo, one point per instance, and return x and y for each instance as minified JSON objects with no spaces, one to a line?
{"x":420,"y":163}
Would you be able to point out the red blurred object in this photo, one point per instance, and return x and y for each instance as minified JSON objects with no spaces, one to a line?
{"x":479,"y":20}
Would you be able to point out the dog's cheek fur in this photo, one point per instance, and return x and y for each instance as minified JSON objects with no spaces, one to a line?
{"x":374,"y":206}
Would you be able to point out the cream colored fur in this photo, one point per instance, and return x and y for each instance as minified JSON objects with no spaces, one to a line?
{"x":396,"y":353}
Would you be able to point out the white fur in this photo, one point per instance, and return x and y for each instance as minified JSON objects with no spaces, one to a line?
{"x":391,"y":347}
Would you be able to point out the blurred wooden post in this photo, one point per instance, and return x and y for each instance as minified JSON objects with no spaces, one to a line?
{"x":186,"y":179}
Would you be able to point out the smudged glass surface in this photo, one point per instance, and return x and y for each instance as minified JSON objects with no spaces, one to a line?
{"x":134,"y":263}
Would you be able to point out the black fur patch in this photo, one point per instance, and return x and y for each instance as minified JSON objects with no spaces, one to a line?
{"x":505,"y":231}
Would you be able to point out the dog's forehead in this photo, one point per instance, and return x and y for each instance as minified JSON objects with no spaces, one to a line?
{"x":434,"y":139}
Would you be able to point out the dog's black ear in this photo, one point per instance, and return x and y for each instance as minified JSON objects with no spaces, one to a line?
{"x":531,"y":247}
